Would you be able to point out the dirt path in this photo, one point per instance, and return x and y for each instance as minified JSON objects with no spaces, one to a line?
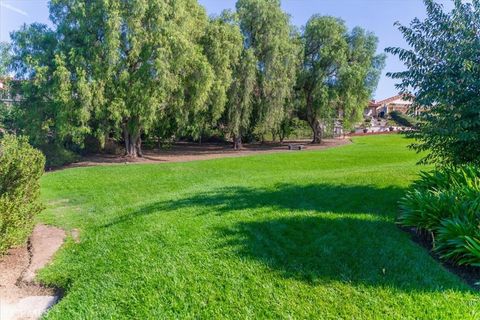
{"x":183,"y":152}
{"x":20,"y":296}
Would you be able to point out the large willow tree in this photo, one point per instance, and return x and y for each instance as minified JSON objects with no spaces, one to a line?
{"x":129,"y":61}
{"x":267,"y":31}
{"x":339,"y":73}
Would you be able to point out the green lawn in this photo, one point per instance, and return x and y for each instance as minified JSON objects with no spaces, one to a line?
{"x":293,"y":235}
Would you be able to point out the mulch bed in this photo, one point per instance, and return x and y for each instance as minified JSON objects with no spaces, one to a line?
{"x":469,"y":274}
{"x":184,"y":151}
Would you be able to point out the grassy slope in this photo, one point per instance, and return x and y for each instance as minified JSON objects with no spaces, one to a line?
{"x":293,"y":235}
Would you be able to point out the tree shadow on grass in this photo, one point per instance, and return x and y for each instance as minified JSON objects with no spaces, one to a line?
{"x":320,"y":249}
{"x":317,"y":233}
{"x":311,"y":197}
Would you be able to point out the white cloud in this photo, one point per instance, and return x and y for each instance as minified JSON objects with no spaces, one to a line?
{"x":12,"y":8}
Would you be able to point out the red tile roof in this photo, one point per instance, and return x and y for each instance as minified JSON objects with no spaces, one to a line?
{"x":391,"y":99}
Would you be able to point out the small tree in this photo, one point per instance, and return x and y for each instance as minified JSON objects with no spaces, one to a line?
{"x":442,"y":73}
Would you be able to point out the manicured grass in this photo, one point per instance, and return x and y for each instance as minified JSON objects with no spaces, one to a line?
{"x":294,"y":235}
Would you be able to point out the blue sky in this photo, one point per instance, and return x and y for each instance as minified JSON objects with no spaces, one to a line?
{"x":377,"y":16}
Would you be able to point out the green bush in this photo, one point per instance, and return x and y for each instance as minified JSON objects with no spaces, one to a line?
{"x":57,"y":156}
{"x":403,"y":120}
{"x":446,"y":203}
{"x":21,"y":167}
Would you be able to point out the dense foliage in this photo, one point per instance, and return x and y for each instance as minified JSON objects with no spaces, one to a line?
{"x":21,"y":167}
{"x":443,"y":76}
{"x":38,"y":114}
{"x":160,"y":70}
{"x":447,"y":204}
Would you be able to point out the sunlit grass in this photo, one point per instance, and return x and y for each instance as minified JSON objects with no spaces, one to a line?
{"x":306,"y":234}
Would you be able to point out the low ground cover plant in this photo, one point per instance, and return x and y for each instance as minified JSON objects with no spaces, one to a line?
{"x":21,"y":167}
{"x":446,"y":202}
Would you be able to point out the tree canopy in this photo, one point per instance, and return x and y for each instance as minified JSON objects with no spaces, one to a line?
{"x":5,"y":60}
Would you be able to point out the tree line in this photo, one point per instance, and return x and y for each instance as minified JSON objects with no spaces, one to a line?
{"x":131,"y":70}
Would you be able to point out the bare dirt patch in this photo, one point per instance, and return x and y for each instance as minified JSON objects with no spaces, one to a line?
{"x":183,"y":152}
{"x":20,"y":296}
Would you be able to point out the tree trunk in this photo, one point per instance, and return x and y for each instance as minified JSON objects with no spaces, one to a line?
{"x":138,"y":146}
{"x":274,"y":136}
{"x":313,"y":121}
{"x":133,"y":143}
{"x":237,"y":142}
{"x":281,"y":135}
{"x":317,"y":131}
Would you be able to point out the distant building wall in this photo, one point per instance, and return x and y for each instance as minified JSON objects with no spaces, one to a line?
{"x":383,"y":107}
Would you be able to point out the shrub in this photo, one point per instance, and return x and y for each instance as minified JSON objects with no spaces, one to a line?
{"x":57,"y":156}
{"x":446,"y":203}
{"x":403,"y":120}
{"x":21,"y":167}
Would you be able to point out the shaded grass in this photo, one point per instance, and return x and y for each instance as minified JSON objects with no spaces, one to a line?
{"x":291,"y":235}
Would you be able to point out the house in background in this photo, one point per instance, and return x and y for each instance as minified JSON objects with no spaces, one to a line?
{"x":379,"y":109}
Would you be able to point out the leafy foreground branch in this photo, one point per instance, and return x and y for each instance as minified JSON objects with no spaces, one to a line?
{"x":442,"y":74}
